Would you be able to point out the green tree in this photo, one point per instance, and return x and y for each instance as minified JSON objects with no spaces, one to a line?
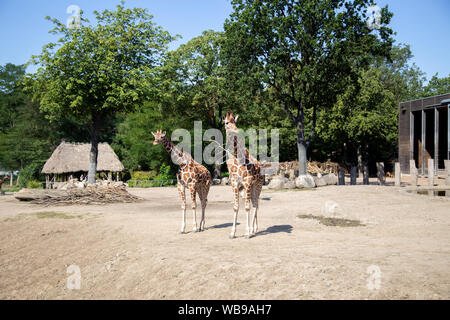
{"x":197,"y":89}
{"x":307,"y":51}
{"x":362,"y":126}
{"x":94,"y":72}
{"x":11,"y":95}
{"x":133,"y":141}
{"x":26,"y":137}
{"x":437,"y":86}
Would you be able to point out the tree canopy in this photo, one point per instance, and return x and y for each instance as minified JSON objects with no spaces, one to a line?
{"x":306,"y":51}
{"x":315,"y":70}
{"x":96,"y":71}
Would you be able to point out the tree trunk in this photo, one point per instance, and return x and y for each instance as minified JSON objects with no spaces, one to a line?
{"x":93,"y":156}
{"x":302,"y":161}
{"x":217,"y":171}
{"x":360,"y":161}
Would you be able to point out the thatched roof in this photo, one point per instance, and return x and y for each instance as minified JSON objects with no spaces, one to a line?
{"x":74,"y":157}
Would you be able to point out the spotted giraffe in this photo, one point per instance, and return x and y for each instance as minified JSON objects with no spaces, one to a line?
{"x":245,"y":175}
{"x":191,"y":175}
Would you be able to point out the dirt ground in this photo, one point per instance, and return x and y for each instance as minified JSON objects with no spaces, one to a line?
{"x":396,"y":246}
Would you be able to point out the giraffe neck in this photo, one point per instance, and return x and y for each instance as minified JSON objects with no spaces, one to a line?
{"x":239,"y":151}
{"x":178,"y":156}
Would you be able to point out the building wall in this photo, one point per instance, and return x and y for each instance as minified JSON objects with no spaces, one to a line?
{"x":405,"y":109}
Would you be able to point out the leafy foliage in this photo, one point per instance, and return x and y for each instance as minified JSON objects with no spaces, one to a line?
{"x":307,"y":52}
{"x":96,"y":71}
{"x":312,"y":69}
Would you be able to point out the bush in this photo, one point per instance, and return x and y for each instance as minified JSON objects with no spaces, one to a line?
{"x":28,"y":174}
{"x":34,"y":184}
{"x":143,"y":175}
{"x":143,"y":179}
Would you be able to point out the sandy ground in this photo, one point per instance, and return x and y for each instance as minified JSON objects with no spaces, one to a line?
{"x":135,"y":251}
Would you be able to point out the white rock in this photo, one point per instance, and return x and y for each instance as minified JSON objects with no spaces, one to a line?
{"x":320,"y":181}
{"x":289,"y":184}
{"x":224,"y":181}
{"x":330,"y":179}
{"x":305,"y":181}
{"x":277,"y":183}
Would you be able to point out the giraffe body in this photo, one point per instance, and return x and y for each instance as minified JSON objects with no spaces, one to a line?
{"x":245,"y":175}
{"x":191,"y":175}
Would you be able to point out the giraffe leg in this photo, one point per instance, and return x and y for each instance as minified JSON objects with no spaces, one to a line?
{"x":255,"y":214}
{"x":194,"y":206}
{"x":204,"y":200}
{"x":256,"y":191}
{"x":249,"y":227}
{"x":235,"y":209}
{"x":181,"y":190}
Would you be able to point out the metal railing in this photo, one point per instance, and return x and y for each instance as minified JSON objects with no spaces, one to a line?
{"x":151,"y":183}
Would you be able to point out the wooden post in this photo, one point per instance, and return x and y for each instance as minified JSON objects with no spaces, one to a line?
{"x":431,"y":172}
{"x":447,"y":172}
{"x":11,"y":178}
{"x":413,"y":173}
{"x":398,"y":175}
{"x":380,"y":174}
{"x":436,"y":140}
{"x":341,"y":178}
{"x":366,"y":175}
{"x":353,"y":174}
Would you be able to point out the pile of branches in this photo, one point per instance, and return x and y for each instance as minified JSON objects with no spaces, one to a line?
{"x":324,"y":167}
{"x":313,"y":167}
{"x":88,"y":195}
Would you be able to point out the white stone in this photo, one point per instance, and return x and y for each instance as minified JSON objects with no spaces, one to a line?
{"x":320,"y":181}
{"x":305,"y":181}
{"x":289,"y":184}
{"x":277,"y":183}
{"x":330,"y":179}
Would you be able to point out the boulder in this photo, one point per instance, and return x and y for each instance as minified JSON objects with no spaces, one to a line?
{"x":305,"y":181}
{"x":289,"y":184}
{"x":224,"y":181}
{"x":330,"y":179}
{"x":216,"y":181}
{"x":320,"y":181}
{"x":277,"y":183}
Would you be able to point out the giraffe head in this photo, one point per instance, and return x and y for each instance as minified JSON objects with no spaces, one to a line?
{"x":230,"y":122}
{"x":159,"y":137}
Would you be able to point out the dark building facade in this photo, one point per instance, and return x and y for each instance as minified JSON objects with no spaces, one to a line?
{"x":424,"y":132}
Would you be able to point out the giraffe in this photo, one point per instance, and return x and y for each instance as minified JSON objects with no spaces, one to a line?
{"x":191,"y":175}
{"x":245,"y":174}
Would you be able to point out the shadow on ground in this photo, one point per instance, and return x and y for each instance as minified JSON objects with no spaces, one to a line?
{"x":287,"y":228}
{"x":223,"y":225}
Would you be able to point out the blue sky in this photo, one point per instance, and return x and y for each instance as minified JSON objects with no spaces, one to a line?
{"x":424,"y":25}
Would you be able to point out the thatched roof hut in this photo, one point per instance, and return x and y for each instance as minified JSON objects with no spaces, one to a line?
{"x":74,"y":157}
